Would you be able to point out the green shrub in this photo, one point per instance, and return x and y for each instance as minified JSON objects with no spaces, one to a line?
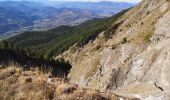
{"x":124,"y":40}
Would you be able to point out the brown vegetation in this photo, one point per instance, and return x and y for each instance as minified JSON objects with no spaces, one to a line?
{"x":18,"y":84}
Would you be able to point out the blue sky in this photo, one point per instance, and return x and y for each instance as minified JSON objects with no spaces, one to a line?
{"x":132,"y":1}
{"x":101,"y":0}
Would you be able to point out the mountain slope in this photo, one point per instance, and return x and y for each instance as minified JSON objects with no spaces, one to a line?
{"x":16,"y":83}
{"x":134,"y":61}
{"x":46,"y":44}
{"x":10,"y":57}
{"x":20,"y":16}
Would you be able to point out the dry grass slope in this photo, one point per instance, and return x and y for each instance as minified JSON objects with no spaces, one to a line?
{"x":19,"y":84}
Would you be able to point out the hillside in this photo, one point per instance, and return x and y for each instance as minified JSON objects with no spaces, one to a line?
{"x":17,"y":84}
{"x":134,"y":60}
{"x":127,"y":54}
{"x":45,"y":44}
{"x":20,"y":16}
{"x":10,"y":57}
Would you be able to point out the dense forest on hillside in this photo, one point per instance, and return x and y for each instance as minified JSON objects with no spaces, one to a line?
{"x":8,"y":56}
{"x":45,"y":44}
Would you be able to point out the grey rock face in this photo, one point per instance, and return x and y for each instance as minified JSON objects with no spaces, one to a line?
{"x":138,"y":67}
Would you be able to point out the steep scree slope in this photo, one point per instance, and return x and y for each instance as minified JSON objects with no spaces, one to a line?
{"x":136,"y":58}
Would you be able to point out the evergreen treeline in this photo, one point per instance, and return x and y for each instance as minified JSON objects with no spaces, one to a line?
{"x":8,"y":56}
{"x":45,"y":44}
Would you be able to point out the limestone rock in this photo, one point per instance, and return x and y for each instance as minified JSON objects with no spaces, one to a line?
{"x":137,"y":67}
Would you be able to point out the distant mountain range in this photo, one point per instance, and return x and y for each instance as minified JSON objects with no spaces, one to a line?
{"x":103,"y":6}
{"x":20,"y":16}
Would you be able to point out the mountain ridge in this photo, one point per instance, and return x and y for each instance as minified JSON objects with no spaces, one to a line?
{"x":130,"y":56}
{"x":133,"y":59}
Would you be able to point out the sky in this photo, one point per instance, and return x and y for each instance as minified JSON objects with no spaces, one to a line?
{"x":131,"y":1}
{"x":101,"y":0}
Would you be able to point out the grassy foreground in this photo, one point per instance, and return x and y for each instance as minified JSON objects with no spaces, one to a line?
{"x":33,"y":84}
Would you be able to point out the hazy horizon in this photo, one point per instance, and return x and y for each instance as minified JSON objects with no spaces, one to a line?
{"x":129,"y":1}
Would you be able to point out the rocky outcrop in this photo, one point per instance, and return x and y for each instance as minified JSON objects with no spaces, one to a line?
{"x":135,"y":61}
